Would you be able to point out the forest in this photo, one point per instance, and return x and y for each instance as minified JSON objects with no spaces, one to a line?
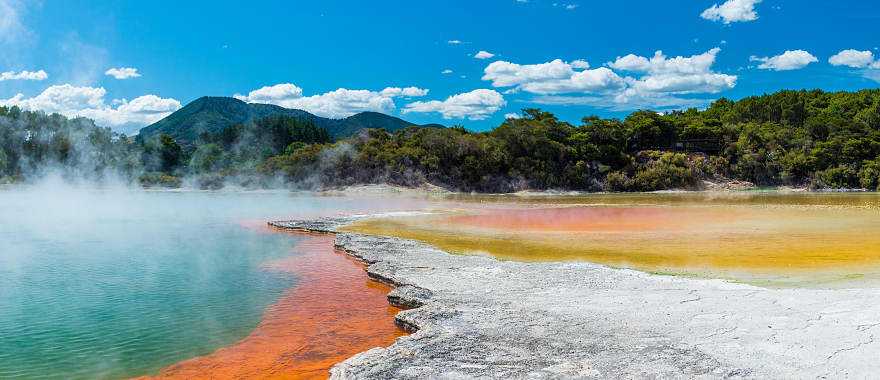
{"x":807,"y":138}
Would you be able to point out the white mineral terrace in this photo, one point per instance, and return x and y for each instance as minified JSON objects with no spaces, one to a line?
{"x":480,"y":317}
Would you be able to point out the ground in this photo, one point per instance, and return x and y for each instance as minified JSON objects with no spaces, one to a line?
{"x":479,"y":317}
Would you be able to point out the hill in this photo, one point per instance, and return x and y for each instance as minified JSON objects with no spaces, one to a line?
{"x":213,"y":114}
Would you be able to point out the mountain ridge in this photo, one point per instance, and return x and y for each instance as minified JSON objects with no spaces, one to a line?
{"x":211,"y":114}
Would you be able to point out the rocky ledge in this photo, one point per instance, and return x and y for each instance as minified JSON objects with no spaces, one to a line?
{"x":475,"y":317}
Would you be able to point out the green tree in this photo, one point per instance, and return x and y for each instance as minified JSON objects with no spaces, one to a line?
{"x":170,"y":153}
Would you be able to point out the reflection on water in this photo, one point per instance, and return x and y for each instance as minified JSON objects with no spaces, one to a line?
{"x":764,"y":238}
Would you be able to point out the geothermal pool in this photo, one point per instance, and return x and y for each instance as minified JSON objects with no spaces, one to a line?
{"x":771,"y":239}
{"x":119,"y":283}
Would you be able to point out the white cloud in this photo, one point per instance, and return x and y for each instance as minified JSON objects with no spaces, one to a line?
{"x":789,"y":60}
{"x":454,"y":42}
{"x":660,"y":64}
{"x":446,"y":71}
{"x":475,"y":105}
{"x":504,"y":74}
{"x":272,"y":94}
{"x":852,"y":58}
{"x":555,"y":76}
{"x":658,"y":81}
{"x":860,"y":59}
{"x":663,"y":76}
{"x":391,"y":92}
{"x":482,"y":54}
{"x":512,"y":116}
{"x":147,"y":104}
{"x":684,"y":84}
{"x":23,"y":75}
{"x":580,"y":64}
{"x":122,"y":72}
{"x":73,"y":101}
{"x":571,"y":7}
{"x":339,"y":103}
{"x":732,"y":11}
{"x":342,"y":103}
{"x":598,"y":79}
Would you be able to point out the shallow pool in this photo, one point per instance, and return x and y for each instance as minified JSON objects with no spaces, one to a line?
{"x":762,"y":238}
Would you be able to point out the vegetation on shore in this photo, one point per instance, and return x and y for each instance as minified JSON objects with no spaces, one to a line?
{"x":790,"y":138}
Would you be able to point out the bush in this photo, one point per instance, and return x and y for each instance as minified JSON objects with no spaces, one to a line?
{"x":159,"y":180}
{"x":869,"y":175}
{"x":841,"y":177}
{"x":616,"y":181}
{"x":665,"y":171}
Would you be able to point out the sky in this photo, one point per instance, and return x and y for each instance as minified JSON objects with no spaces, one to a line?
{"x":472,"y":63}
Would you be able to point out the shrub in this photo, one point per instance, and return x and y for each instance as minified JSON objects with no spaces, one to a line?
{"x":869,"y":175}
{"x":159,"y":180}
{"x":616,"y":181}
{"x":841,"y":177}
{"x":665,"y":171}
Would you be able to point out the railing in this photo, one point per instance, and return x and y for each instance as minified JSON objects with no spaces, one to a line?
{"x":691,"y":145}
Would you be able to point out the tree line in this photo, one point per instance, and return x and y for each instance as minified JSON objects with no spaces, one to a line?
{"x":804,"y":138}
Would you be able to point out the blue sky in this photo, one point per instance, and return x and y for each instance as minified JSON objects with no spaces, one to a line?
{"x":308,"y":50}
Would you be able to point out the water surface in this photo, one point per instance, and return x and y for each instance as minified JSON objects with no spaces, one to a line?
{"x":119,"y":283}
{"x":762,"y":238}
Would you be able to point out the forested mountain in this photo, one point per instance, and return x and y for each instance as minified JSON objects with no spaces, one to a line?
{"x":213,"y":114}
{"x":813,"y":139}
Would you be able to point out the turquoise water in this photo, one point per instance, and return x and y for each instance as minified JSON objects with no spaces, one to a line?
{"x":118,"y":283}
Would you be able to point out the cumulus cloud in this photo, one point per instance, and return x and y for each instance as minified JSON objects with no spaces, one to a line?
{"x":860,"y":59}
{"x":482,"y":54}
{"x":391,"y":92}
{"x":23,"y":75}
{"x":74,"y":101}
{"x":512,"y":116}
{"x":853,"y":58}
{"x":555,"y":76}
{"x":658,"y":81}
{"x":580,"y":64}
{"x":122,"y":72}
{"x":789,"y":60}
{"x":475,"y":105}
{"x":272,"y":94}
{"x":339,"y":103}
{"x":684,"y":84}
{"x":454,"y":42}
{"x":446,"y":71}
{"x":679,"y":75}
{"x":664,"y":79}
{"x":732,"y":11}
{"x":660,"y":64}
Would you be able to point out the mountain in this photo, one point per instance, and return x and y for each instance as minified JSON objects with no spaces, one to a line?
{"x":212,"y":114}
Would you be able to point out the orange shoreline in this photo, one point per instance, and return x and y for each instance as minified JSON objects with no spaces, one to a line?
{"x":334,"y":312}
